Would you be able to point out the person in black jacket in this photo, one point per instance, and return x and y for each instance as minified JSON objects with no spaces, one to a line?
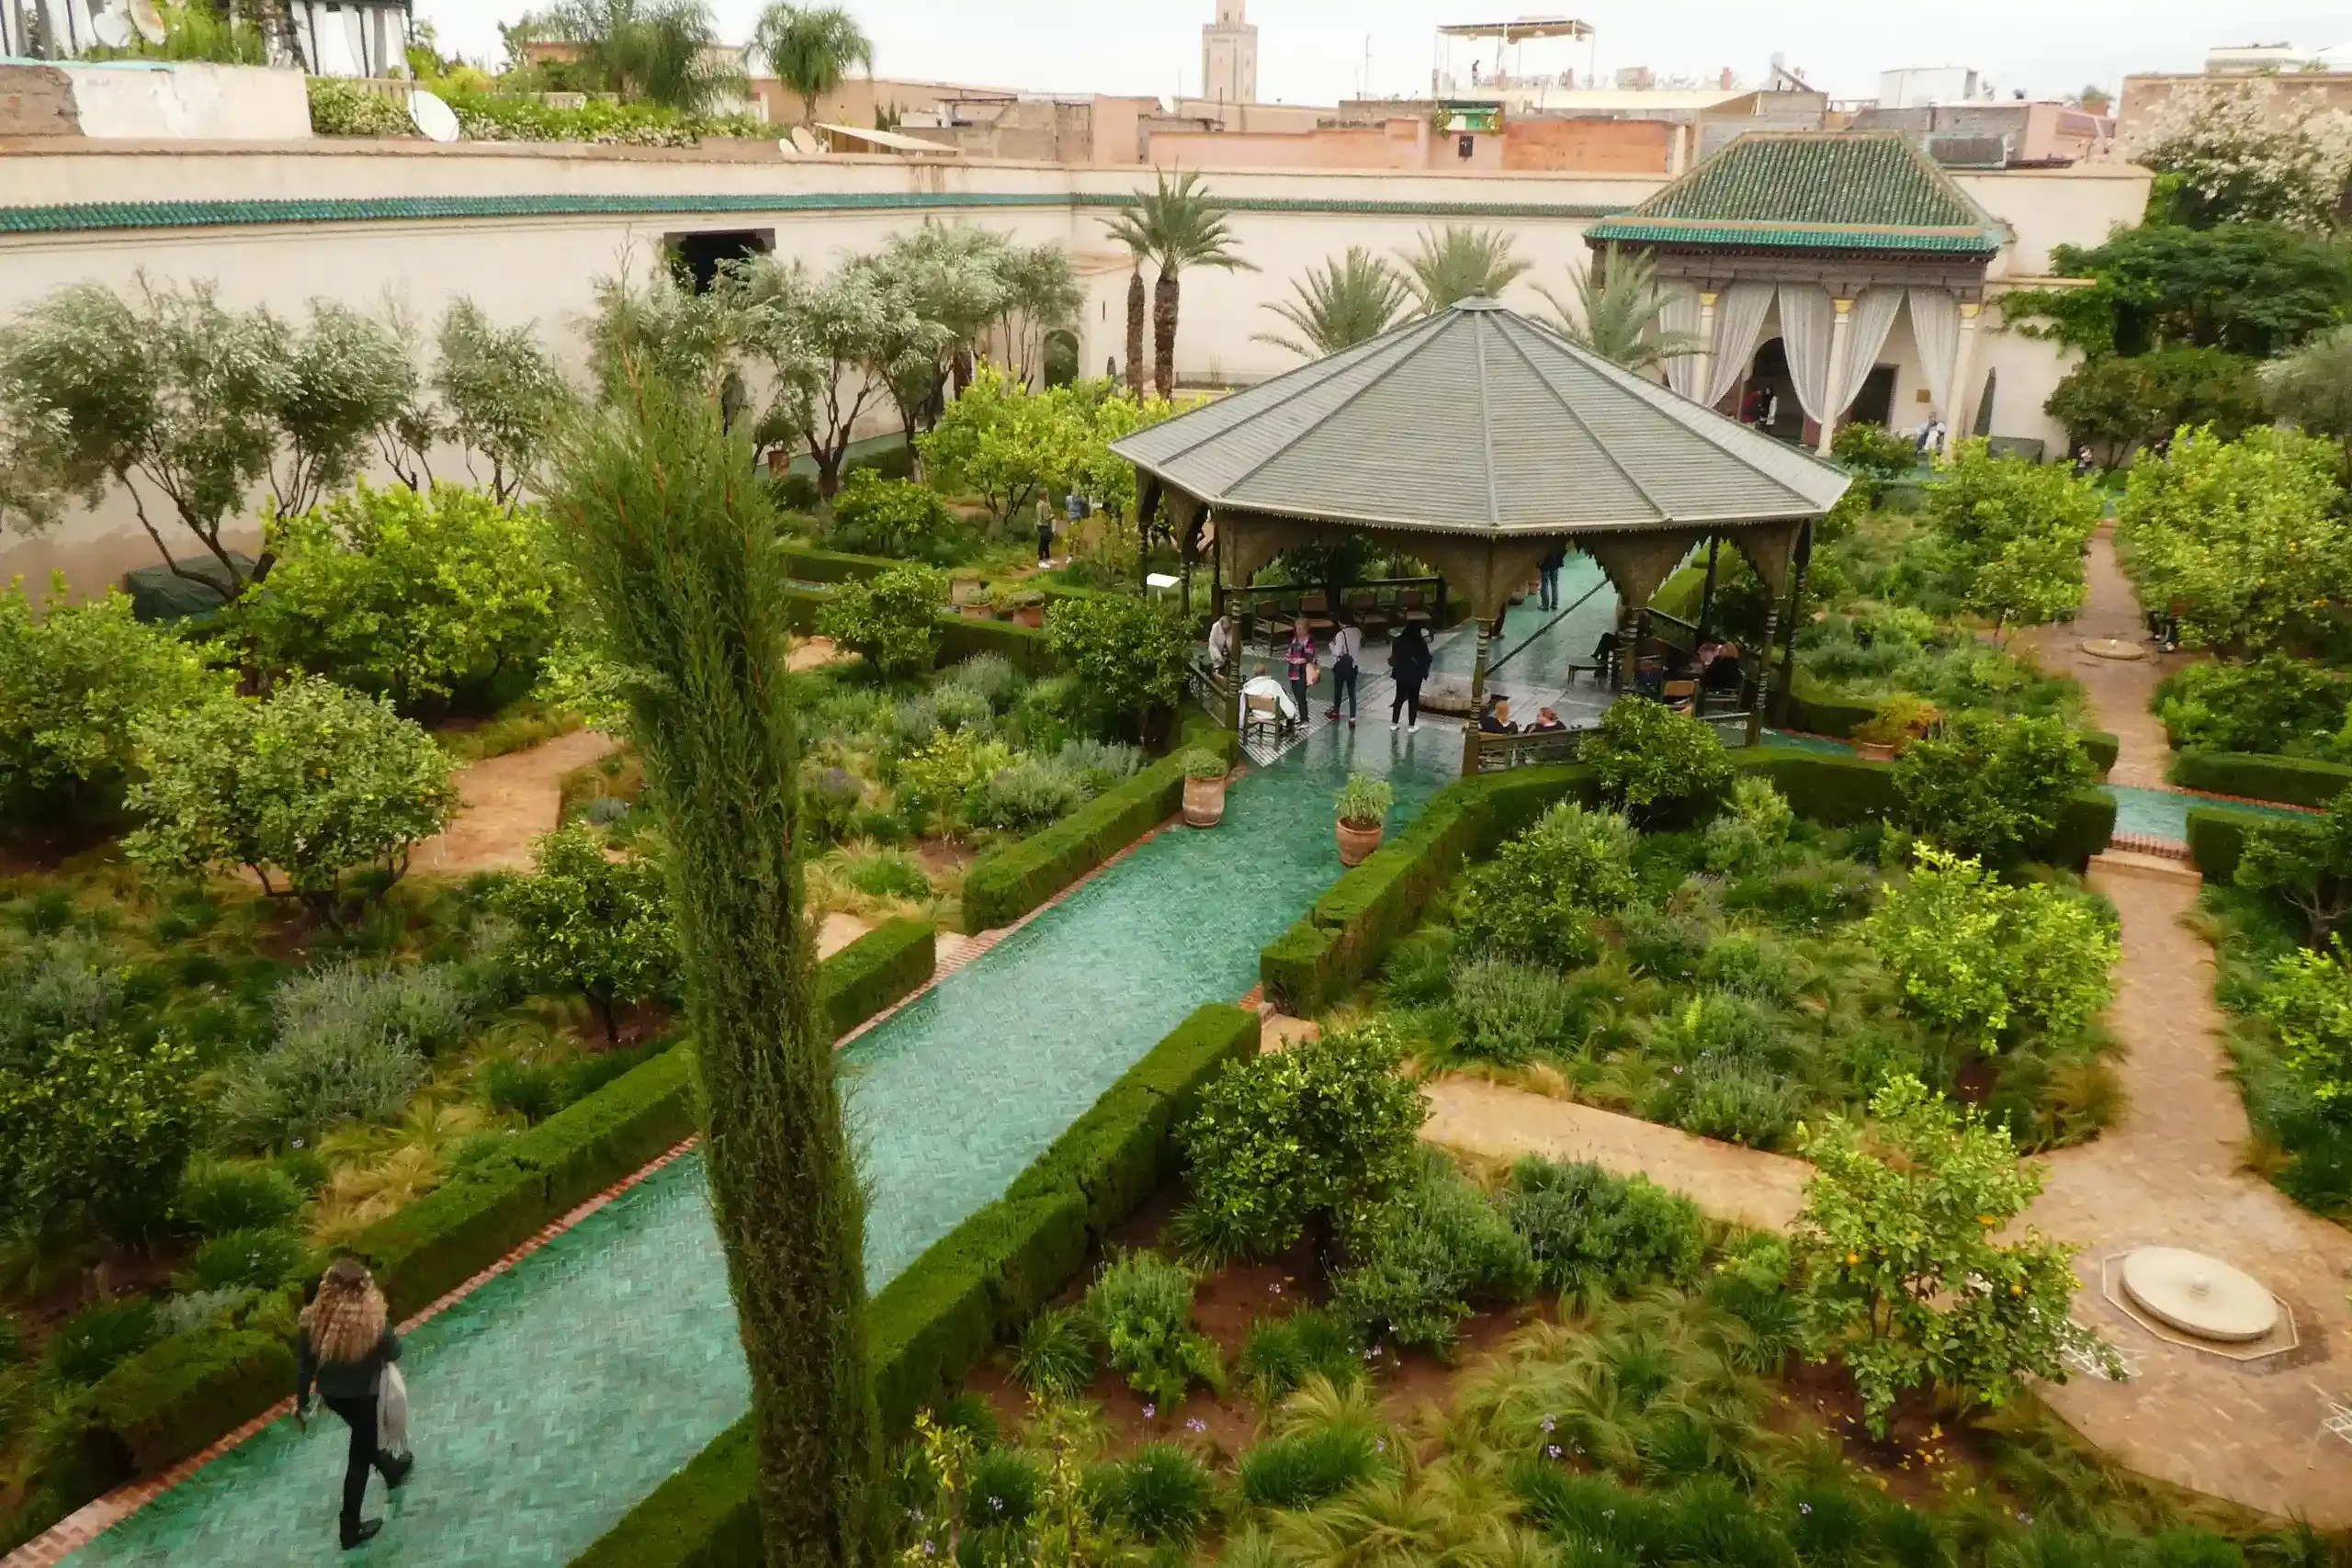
{"x":1409,"y":662}
{"x":347,"y":1343}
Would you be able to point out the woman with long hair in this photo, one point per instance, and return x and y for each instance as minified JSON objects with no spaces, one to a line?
{"x":347,"y":1341}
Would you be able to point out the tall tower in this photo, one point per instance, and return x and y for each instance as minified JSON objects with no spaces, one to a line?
{"x":1229,"y":57}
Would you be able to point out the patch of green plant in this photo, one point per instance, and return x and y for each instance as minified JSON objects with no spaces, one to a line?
{"x":1141,"y":1312}
{"x":1280,"y":1354}
{"x":1058,"y":1354}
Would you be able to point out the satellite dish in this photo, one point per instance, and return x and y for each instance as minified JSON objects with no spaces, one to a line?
{"x":436,"y":119}
{"x":790,"y":153}
{"x":113,"y":29}
{"x":807,"y":145}
{"x":148,"y":20}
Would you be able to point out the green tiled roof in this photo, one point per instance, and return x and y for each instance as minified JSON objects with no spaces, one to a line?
{"x":1841,"y":190}
{"x":103,"y":215}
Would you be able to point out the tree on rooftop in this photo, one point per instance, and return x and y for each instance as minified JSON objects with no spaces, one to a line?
{"x":1179,"y":225}
{"x":812,"y":48}
{"x":659,"y":52}
{"x":669,"y":530}
{"x":1348,"y":300}
{"x":1458,"y":264}
{"x":2231,"y":159}
{"x":1621,"y":314}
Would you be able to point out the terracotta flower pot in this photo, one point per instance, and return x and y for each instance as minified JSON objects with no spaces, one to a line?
{"x":1356,"y":844}
{"x":1204,"y":802}
{"x":1031,"y":615}
{"x":975,"y":612}
{"x":1873,"y":751}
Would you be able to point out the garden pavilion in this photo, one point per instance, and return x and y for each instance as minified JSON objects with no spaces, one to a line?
{"x":1476,"y":439}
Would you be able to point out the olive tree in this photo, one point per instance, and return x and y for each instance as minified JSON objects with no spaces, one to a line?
{"x":305,"y":790}
{"x":500,"y":394}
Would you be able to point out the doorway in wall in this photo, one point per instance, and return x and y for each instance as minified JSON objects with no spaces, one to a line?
{"x":1770,"y":374}
{"x":1874,"y":404}
{"x":697,"y":257}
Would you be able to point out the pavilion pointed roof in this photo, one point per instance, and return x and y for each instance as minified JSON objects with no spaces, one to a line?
{"x":1478,"y":422}
{"x":1820,"y":190}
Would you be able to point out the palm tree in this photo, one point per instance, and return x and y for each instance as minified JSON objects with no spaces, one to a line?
{"x":1128,"y":230}
{"x":1462,"y":263}
{"x":1349,"y":299}
{"x":812,"y":48}
{"x":1179,"y":225}
{"x":1619,"y":313}
{"x":659,"y":51}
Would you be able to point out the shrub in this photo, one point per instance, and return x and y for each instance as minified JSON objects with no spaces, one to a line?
{"x":351,"y":1046}
{"x":311,"y":785}
{"x":589,"y":924}
{"x":217,"y":1198}
{"x":98,"y":1339}
{"x":1141,"y":1311}
{"x":1364,"y":801}
{"x":1288,"y":1144}
{"x":1305,"y":1468}
{"x":2116,"y":403}
{"x":1006,"y":1485}
{"x":2275,"y":704}
{"x":76,"y":686}
{"x":1058,"y":1355}
{"x":259,"y":1259}
{"x":1988,"y":961}
{"x":1162,"y":1493}
{"x":95,"y":1132}
{"x":1737,"y":1102}
{"x":1874,"y":450}
{"x":1422,"y":1265}
{"x":1654,"y":763}
{"x":1510,"y":1012}
{"x":427,"y":1005}
{"x":1991,"y":787}
{"x":1029,"y":793}
{"x":892,"y":620}
{"x":2306,"y":865}
{"x":892,"y":517}
{"x":55,"y":986}
{"x":990,"y":677}
{"x":1535,"y":899}
{"x":1129,"y":656}
{"x":1589,"y":1232}
{"x":1754,"y":826}
{"x":343,"y":108}
{"x":888,"y":875}
{"x":2310,"y":1004}
{"x":1280,"y":1355}
{"x":412,"y":596}
{"x":1199,"y":763}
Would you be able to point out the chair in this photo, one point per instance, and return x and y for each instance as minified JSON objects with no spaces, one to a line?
{"x":1364,"y":604}
{"x":1682,"y":696}
{"x":1316,"y":611}
{"x":1412,"y":606}
{"x":1266,"y":711}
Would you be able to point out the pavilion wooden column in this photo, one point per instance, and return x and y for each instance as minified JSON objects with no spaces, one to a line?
{"x":1477,"y":696}
{"x":1768,"y":550}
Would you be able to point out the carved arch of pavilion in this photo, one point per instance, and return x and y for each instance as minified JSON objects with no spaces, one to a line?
{"x":1476,"y":439}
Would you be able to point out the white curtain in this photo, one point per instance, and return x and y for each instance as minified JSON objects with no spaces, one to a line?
{"x":1935,"y":326}
{"x":1680,"y":319}
{"x":1740,"y":322}
{"x":1866,"y":328}
{"x":1808,"y":320}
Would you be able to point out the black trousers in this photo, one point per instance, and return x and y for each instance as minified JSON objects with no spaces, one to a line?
{"x":1343,"y":683}
{"x":359,"y":1414}
{"x":1408,"y":697}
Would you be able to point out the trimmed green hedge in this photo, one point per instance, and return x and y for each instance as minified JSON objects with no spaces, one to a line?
{"x":177,"y":1397}
{"x":968,"y":1289}
{"x":2217,"y":838}
{"x":1007,"y":883}
{"x":2291,"y":781}
{"x":1344,"y":939}
{"x":1824,"y":710}
{"x":809,"y":564}
{"x":884,"y":966}
{"x":961,"y":637}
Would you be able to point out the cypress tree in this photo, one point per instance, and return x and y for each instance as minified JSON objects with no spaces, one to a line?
{"x":673,"y":536}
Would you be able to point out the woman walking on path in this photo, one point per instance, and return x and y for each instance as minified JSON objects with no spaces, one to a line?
{"x":1347,"y":642}
{"x":1409,"y":662}
{"x":346,"y":1344}
{"x":1298,"y":653}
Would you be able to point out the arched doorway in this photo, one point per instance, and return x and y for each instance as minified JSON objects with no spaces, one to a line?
{"x":1771,"y":385}
{"x":1061,"y":357}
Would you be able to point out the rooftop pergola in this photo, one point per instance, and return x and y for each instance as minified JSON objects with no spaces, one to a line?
{"x":1474,"y":439}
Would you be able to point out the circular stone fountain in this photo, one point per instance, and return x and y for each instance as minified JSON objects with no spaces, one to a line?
{"x":2112,"y":648}
{"x":2199,"y":1295}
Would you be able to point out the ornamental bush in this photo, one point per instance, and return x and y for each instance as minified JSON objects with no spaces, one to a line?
{"x":2243,"y":540}
{"x":1655,"y":764}
{"x":1290,"y":1144}
{"x":305,"y":789}
{"x":2310,"y":1004}
{"x":2276,"y":705}
{"x":95,"y":1131}
{"x":1422,"y":1263}
{"x":75,"y":683}
{"x":1141,"y":1312}
{"x":1990,"y":787}
{"x":415,"y":597}
{"x":892,"y":619}
{"x":1129,"y":656}
{"x":2306,"y":864}
{"x":1536,"y":898}
{"x":892,"y":517}
{"x":1896,"y":1269}
{"x":1988,"y":961}
{"x":590,"y":925}
{"x":1007,"y":445}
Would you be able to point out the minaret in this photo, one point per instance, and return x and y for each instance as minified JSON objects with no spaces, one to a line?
{"x":1229,"y":57}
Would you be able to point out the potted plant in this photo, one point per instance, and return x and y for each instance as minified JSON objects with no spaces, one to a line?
{"x":1204,"y":781}
{"x":1029,"y":608}
{"x":972,"y":600}
{"x":1898,"y":721}
{"x":1002,"y":599}
{"x":1363,"y":816}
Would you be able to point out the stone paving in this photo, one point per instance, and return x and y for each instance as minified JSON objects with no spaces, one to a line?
{"x":506,"y":802}
{"x":2123,"y":692}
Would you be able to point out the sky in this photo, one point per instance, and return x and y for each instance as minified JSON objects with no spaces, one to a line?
{"x":1314,"y":51}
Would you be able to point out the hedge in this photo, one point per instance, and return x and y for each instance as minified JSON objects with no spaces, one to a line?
{"x":884,"y":966}
{"x":2291,"y":781}
{"x":179,"y":1396}
{"x":1343,"y":939}
{"x":974,"y":1285}
{"x":808,"y":564}
{"x":2217,"y":838}
{"x":1008,"y":882}
{"x":962,"y":637}
{"x":1824,"y":710}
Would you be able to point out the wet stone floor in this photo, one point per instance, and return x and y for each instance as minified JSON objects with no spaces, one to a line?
{"x":558,"y":1395}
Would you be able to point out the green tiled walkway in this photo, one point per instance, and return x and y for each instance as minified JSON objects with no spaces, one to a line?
{"x":562,"y":1393}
